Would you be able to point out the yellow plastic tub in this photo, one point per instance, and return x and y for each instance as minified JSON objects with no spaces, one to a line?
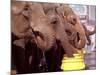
{"x":73,"y":63}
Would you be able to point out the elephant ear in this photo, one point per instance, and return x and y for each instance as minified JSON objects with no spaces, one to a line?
{"x":17,"y":7}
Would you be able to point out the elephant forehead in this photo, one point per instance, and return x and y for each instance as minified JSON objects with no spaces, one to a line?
{"x":39,"y":23}
{"x":38,"y":19}
{"x":79,"y":27}
{"x":37,"y":9}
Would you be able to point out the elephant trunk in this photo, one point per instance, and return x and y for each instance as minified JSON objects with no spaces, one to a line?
{"x":79,"y":41}
{"x":68,"y":48}
{"x":61,"y":35}
{"x":44,"y":37}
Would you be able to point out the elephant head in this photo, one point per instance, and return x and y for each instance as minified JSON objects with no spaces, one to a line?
{"x":77,"y":34}
{"x":40,"y":25}
{"x":82,"y":33}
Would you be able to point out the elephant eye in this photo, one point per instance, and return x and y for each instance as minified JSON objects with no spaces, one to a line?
{"x":73,"y":21}
{"x":26,"y":8}
{"x":26,"y":11}
{"x":68,"y":32}
{"x":54,"y":22}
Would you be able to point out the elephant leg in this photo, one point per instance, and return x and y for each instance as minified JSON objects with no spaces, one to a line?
{"x":19,"y":58}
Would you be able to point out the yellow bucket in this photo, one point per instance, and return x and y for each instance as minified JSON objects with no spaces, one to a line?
{"x":73,"y":63}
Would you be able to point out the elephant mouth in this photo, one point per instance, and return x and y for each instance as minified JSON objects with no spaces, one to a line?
{"x":38,"y":35}
{"x":43,"y":40}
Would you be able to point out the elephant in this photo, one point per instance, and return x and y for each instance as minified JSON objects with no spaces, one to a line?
{"x":43,"y":26}
{"x":67,"y":27}
{"x":77,"y":34}
{"x":40,"y":25}
{"x":63,"y":46}
{"x":76,"y":27}
{"x":22,"y":36}
{"x":24,"y":27}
